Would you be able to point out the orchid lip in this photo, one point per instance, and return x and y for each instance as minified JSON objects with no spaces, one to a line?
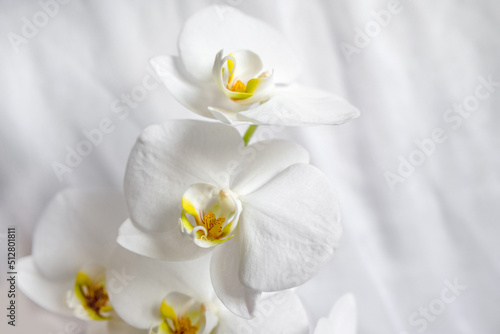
{"x":182,"y":314}
{"x":89,"y":299}
{"x":241,"y":77}
{"x":209,"y":215}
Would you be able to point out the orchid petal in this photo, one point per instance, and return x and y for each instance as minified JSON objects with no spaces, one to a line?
{"x":225,"y":116}
{"x":343,"y":315}
{"x":113,"y":326}
{"x":289,"y":227}
{"x":299,"y":105}
{"x":47,"y":293}
{"x":265,"y":160}
{"x":171,"y":246}
{"x":342,"y":318}
{"x":194,"y":96}
{"x":77,"y":227}
{"x":211,"y":322}
{"x":118,"y":326}
{"x":219,"y":27}
{"x":137,"y":285}
{"x":169,"y":157}
{"x":324,"y":326}
{"x":280,"y":313}
{"x":238,"y":298}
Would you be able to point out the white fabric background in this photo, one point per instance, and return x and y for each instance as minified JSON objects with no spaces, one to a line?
{"x":399,"y":247}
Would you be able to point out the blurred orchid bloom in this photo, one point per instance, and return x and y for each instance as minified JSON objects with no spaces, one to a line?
{"x":177,"y":298}
{"x":235,"y":68}
{"x":342,"y":318}
{"x":271,"y":219}
{"x":72,"y":243}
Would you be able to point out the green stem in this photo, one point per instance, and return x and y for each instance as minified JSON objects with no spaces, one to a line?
{"x":248,"y":135}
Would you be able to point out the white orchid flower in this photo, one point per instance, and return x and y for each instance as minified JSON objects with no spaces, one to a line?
{"x":177,"y":298}
{"x":342,"y":318}
{"x":270,"y":218}
{"x":72,"y":243}
{"x":234,"y":67}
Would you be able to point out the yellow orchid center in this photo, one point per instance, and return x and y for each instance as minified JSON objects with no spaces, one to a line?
{"x":181,"y":315}
{"x":185,"y":327}
{"x":93,"y":297}
{"x":216,"y":226}
{"x":239,"y":87}
{"x":241,"y":78}
{"x":213,"y":225}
